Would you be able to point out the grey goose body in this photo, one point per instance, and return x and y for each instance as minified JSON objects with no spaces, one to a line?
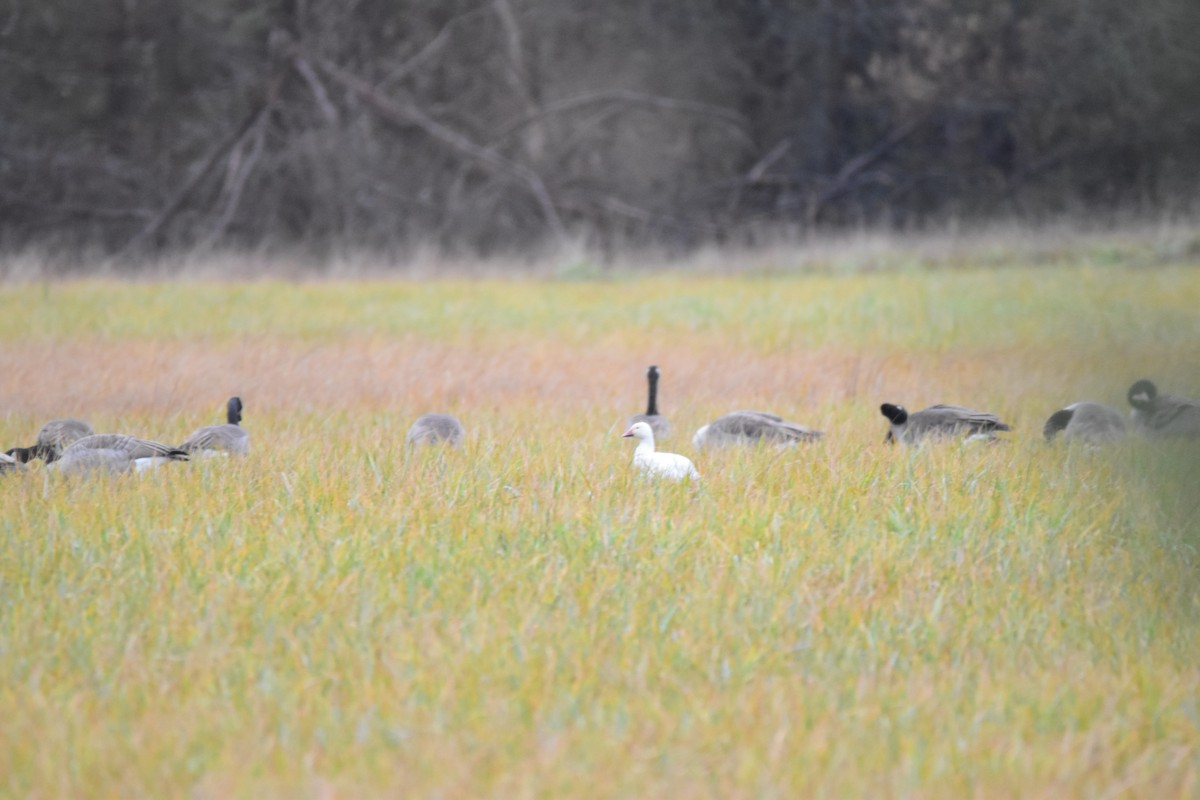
{"x":659,"y":424}
{"x":54,"y":437}
{"x":1086,"y":422}
{"x":217,"y":439}
{"x":752,"y":427}
{"x":1163,"y":415}
{"x":940,"y":421}
{"x":436,"y":429}
{"x":114,"y":453}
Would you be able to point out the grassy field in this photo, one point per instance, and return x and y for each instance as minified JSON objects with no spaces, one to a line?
{"x":336,"y":616}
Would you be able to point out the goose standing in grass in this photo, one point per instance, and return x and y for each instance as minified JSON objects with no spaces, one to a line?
{"x":114,"y":453}
{"x":1086,"y":422}
{"x":751,"y":427}
{"x":54,"y":437}
{"x":436,"y":428}
{"x":939,"y":421}
{"x":657,"y":422}
{"x":229,"y":438}
{"x":658,"y":465}
{"x":1163,"y":415}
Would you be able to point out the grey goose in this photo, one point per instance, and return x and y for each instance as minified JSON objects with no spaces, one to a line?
{"x":54,"y":437}
{"x":435,"y":429}
{"x":657,"y":422}
{"x":1086,"y":422}
{"x":114,"y":453}
{"x":1162,"y":415}
{"x":220,"y":439}
{"x":751,"y":427}
{"x":940,"y":421}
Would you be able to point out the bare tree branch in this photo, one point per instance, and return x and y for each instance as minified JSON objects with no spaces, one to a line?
{"x":843,"y":181}
{"x":74,"y":209}
{"x":403,"y":113}
{"x":239,"y":172}
{"x":731,"y":118}
{"x":328,"y":109}
{"x":175,"y":203}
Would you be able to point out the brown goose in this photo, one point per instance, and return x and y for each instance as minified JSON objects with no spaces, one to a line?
{"x":219,"y":439}
{"x":657,"y":422}
{"x":1163,"y":415}
{"x":54,"y":437}
{"x":1086,"y":422}
{"x":942,"y":420}
{"x":114,"y":453}
{"x":434,"y":429}
{"x":751,"y":427}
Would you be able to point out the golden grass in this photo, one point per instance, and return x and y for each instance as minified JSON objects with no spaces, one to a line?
{"x":337,"y":616}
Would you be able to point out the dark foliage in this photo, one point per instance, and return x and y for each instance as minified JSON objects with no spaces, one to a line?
{"x":489,"y":125}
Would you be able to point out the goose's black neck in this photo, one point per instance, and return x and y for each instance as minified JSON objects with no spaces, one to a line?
{"x":233,"y":412}
{"x":1058,"y":422}
{"x":652,"y":403}
{"x":26,"y":454}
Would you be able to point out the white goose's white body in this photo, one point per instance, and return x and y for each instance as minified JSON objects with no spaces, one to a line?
{"x":653,"y":464}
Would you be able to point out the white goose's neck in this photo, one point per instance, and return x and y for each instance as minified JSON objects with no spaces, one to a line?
{"x":645,"y":448}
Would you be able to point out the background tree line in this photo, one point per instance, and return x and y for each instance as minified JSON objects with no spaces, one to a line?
{"x":494,"y":125}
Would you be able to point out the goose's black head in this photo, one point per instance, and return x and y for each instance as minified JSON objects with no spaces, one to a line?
{"x":896,"y":414}
{"x":24,"y":455}
{"x":234,"y":410}
{"x":1058,"y":422}
{"x":1141,"y":394}
{"x":652,"y":374}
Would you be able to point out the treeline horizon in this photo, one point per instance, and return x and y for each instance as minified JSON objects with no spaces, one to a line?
{"x":490,"y":126}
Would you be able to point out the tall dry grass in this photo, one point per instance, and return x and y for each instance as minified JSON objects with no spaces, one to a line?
{"x":338,"y":616}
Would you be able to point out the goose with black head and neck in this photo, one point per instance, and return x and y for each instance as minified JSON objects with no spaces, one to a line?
{"x":657,"y":422}
{"x":941,"y":421}
{"x":1163,"y":415}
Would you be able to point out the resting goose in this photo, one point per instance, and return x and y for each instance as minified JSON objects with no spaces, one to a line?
{"x":657,"y":422}
{"x":750,"y":427}
{"x":54,"y":437}
{"x":1163,"y":415}
{"x":658,"y":465}
{"x":1086,"y":422}
{"x":220,"y":439}
{"x":114,"y":453}
{"x":938,"y":421}
{"x":435,"y":428}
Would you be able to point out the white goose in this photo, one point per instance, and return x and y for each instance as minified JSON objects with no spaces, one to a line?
{"x":671,"y":466}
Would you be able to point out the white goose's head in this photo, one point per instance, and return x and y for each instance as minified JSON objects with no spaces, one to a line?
{"x":641,"y":431}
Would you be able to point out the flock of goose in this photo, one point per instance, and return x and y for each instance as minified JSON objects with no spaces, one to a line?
{"x":1153,"y":414}
{"x":70,"y":446}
